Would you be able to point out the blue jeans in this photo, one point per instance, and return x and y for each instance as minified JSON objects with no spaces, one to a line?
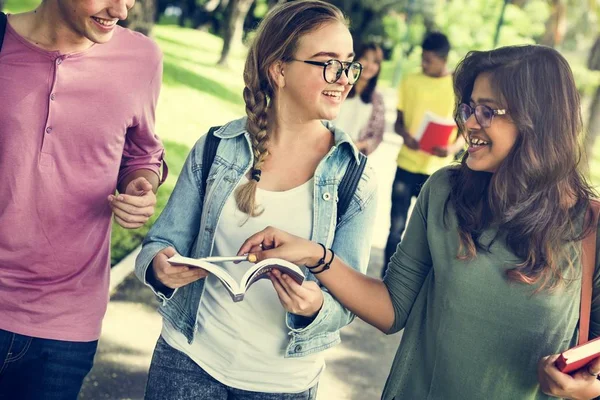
{"x":34,"y":369}
{"x":406,"y":186}
{"x":174,"y":376}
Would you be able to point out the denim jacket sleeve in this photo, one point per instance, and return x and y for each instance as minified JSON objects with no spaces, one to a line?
{"x":352,"y":244}
{"x":175,"y":228}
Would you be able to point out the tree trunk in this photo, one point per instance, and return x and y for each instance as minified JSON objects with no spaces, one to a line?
{"x":500,"y":23}
{"x":1,"y":4}
{"x":556,"y":25}
{"x":141,"y":16}
{"x":234,"y":27}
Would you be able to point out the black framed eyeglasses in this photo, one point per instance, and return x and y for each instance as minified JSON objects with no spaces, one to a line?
{"x":333,"y":69}
{"x":483,"y":114}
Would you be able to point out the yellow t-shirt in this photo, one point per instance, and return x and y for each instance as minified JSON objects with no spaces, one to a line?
{"x":417,"y":94}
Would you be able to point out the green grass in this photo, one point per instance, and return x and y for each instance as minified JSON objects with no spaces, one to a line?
{"x":19,"y":6}
{"x":196,"y":93}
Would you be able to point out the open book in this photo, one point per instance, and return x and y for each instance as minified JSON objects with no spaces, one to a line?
{"x":434,"y":131}
{"x":578,"y":356}
{"x":256,"y":272}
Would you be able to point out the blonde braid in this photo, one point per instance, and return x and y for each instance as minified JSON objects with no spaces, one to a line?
{"x":257,"y":104}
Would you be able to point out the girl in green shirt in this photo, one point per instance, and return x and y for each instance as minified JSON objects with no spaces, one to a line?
{"x":486,"y":281}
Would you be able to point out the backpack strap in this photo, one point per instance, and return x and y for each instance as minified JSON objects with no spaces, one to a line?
{"x":208,"y":155}
{"x":348,"y":185}
{"x":3,"y":23}
{"x":588,"y":259}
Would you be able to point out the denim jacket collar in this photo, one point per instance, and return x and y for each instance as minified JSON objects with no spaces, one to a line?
{"x":238,"y":127}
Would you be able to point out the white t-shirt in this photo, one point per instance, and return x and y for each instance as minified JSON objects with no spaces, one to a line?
{"x":353,"y":117}
{"x":242,"y":345}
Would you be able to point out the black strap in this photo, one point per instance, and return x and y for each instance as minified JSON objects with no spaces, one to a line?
{"x":346,"y":190}
{"x":208,"y":156}
{"x":3,"y":23}
{"x":349,"y":184}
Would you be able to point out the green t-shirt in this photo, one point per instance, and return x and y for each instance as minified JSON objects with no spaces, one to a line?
{"x":469,"y":333}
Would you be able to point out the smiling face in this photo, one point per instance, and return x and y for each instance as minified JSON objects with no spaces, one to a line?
{"x":94,"y":20}
{"x":301,"y":87}
{"x":488,"y":147}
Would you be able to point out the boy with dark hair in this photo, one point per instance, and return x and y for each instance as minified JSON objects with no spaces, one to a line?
{"x":77,"y":105}
{"x":430,"y":90}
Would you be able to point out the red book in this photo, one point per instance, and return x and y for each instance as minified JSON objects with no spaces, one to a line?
{"x":434,"y":131}
{"x":578,"y":356}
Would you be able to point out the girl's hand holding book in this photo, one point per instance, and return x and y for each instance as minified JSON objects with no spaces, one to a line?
{"x":174,"y":276}
{"x":580,"y":385}
{"x":305,"y":300}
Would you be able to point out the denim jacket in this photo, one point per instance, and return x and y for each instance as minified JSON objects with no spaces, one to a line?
{"x":188,"y":224}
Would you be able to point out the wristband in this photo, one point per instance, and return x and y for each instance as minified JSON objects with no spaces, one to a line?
{"x":326,"y":266}
{"x":321,"y":261}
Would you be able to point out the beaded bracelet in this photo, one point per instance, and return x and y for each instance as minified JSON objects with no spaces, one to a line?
{"x":321,"y":261}
{"x":326,"y":266}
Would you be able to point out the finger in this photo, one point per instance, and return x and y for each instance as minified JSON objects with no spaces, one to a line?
{"x":284,"y":297}
{"x":141,"y":184}
{"x":131,"y":218}
{"x":552,"y":372}
{"x":594,"y":366}
{"x":266,"y":238}
{"x":179,"y":282}
{"x":132,"y":209}
{"x":146,"y":200}
{"x":127,"y":225}
{"x":183,"y":276}
{"x":291,"y":286}
{"x":167,"y":268}
{"x":263,"y":255}
{"x":168,"y":252}
{"x":256,"y":249}
{"x":252,"y":242}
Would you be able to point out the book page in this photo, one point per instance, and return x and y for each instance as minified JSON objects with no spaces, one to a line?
{"x":214,"y":269}
{"x":261,"y":270}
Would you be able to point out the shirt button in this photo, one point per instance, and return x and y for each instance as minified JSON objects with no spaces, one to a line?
{"x":49,"y":129}
{"x":298,"y":348}
{"x":59,"y":61}
{"x":52,"y":96}
{"x":326,"y":196}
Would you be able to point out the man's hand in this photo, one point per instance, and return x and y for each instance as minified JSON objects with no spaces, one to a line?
{"x":410,"y":141}
{"x":440,"y":151}
{"x":361,"y":145}
{"x":174,"y":276}
{"x":133,"y":208}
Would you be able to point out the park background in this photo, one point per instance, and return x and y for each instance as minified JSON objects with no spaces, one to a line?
{"x":204,"y":46}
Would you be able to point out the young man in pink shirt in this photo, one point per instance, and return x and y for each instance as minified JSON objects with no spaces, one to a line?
{"x":77,"y":105}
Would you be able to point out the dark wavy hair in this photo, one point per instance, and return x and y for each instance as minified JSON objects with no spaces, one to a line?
{"x":539,"y":190}
{"x":367,"y":94}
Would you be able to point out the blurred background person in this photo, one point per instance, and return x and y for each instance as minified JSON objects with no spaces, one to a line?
{"x":431,"y":91}
{"x":362,"y":115}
